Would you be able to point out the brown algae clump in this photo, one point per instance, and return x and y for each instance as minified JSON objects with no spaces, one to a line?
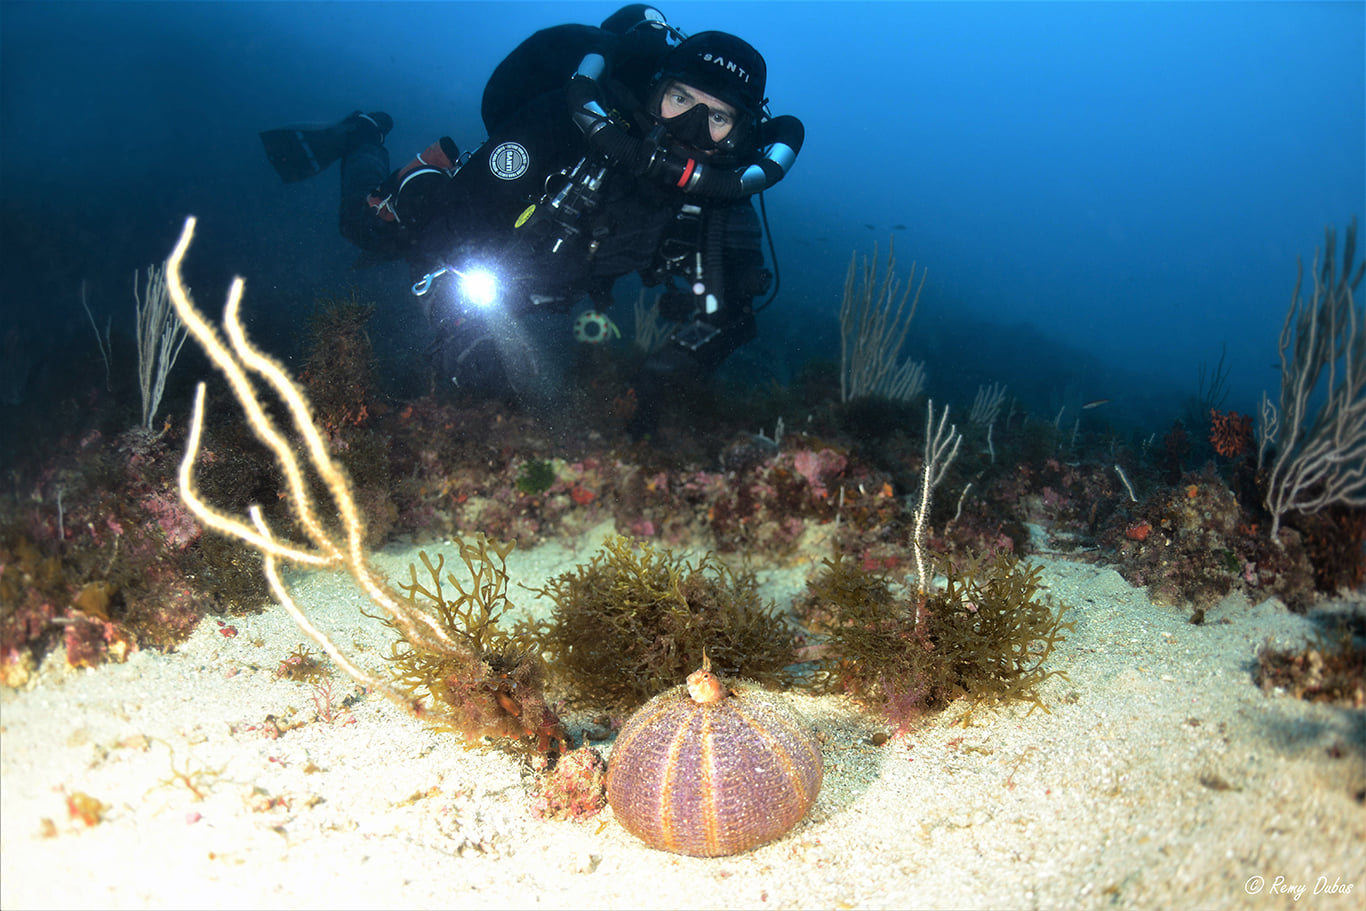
{"x":985,"y":636}
{"x":494,"y":687}
{"x":635,"y":620}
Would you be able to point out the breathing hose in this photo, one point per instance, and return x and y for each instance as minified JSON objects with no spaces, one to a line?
{"x":780,"y":139}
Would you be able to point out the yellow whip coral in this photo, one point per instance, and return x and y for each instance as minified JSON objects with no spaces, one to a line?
{"x":426,"y":633}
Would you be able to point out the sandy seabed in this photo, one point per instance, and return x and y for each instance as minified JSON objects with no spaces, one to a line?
{"x":1161,"y":778}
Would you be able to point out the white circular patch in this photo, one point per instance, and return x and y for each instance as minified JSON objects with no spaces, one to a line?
{"x":509,"y":161}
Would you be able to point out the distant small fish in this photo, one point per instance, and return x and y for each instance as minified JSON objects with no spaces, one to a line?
{"x":1095,"y":403}
{"x":898,"y":227}
{"x":870,"y":227}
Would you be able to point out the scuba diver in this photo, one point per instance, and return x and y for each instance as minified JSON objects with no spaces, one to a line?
{"x":611,"y":150}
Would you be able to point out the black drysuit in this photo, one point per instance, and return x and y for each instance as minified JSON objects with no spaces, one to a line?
{"x":477,"y":215}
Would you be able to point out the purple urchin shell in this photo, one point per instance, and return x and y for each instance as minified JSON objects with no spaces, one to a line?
{"x":715,"y":778}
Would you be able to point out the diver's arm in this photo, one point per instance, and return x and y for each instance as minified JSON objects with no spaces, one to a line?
{"x":411,"y":195}
{"x":382,"y":215}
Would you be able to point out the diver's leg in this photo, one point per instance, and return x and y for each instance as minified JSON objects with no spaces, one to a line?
{"x":364,"y":167}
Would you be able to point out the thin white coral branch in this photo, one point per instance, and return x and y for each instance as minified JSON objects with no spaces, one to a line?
{"x":941,"y":448}
{"x":873,"y":328}
{"x":161,"y":334}
{"x":1318,"y":457}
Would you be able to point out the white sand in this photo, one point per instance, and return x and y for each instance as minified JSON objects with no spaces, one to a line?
{"x":1099,"y":804}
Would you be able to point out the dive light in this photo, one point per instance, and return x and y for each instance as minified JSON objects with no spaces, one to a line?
{"x":476,"y":286}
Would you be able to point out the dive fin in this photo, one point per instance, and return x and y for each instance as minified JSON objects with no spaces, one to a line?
{"x":298,"y":152}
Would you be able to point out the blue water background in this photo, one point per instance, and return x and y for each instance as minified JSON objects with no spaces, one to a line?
{"x":1106,"y":195}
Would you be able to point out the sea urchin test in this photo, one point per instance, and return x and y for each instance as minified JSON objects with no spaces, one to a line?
{"x":713,"y":769}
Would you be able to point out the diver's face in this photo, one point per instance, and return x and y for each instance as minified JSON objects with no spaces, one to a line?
{"x":679,"y":98}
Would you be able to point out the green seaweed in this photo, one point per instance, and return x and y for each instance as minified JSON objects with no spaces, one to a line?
{"x":634,"y":621}
{"x":536,"y":477}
